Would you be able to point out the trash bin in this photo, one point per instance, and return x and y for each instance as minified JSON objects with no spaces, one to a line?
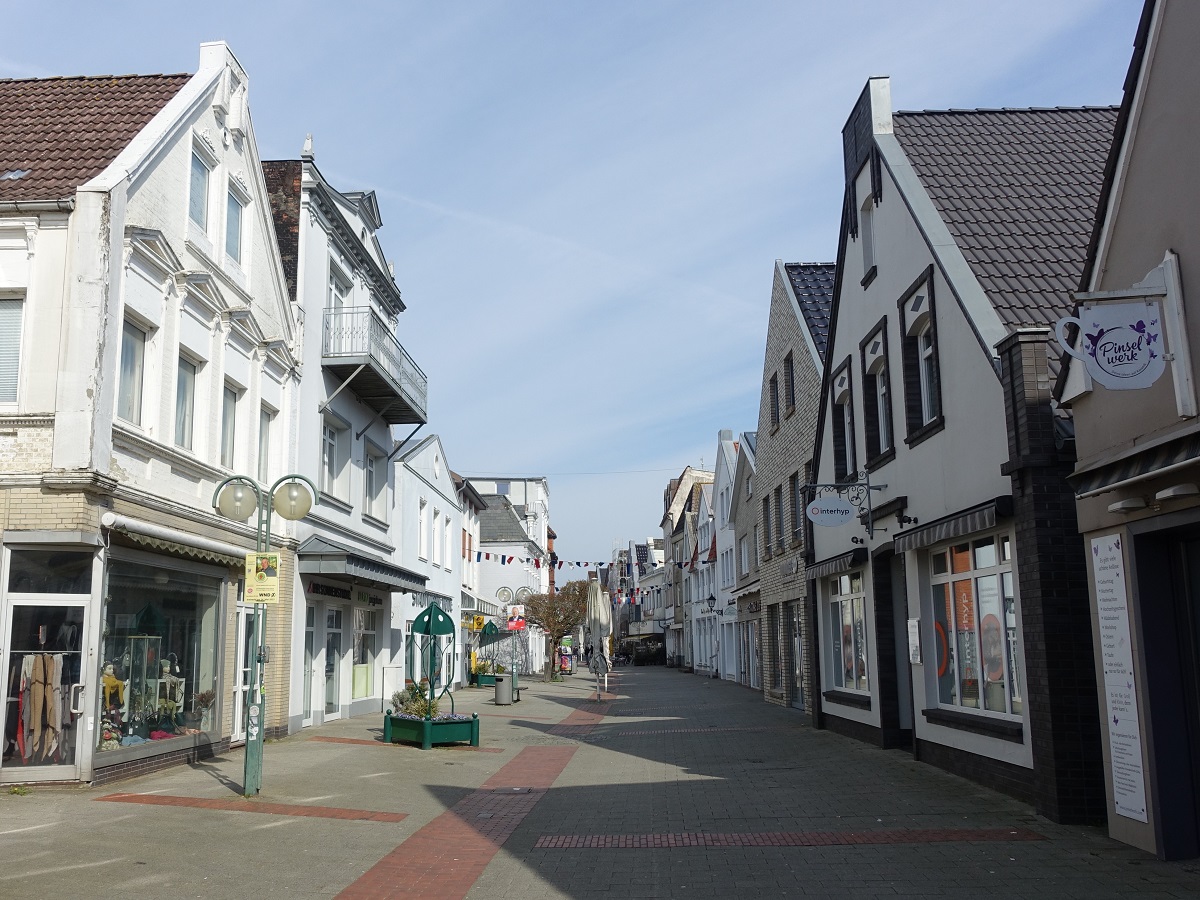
{"x":504,"y":690}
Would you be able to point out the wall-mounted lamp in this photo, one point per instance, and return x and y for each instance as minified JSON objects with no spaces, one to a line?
{"x":1177,"y":491}
{"x":906,"y":520}
{"x":1133,"y":504}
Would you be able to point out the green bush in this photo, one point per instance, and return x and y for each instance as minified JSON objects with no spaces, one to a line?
{"x":414,"y":700}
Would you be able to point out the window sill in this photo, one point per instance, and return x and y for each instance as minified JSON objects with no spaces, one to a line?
{"x":978,"y":723}
{"x":789,"y":412}
{"x":847,"y":698}
{"x":869,"y":277}
{"x":324,"y":499}
{"x":377,"y":522}
{"x":774,"y":428}
{"x":926,"y":431}
{"x":878,"y":462}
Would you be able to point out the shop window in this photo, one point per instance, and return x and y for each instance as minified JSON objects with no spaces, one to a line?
{"x":158,"y":656}
{"x":11,"y":312}
{"x":365,"y":622}
{"x":975,"y":626}
{"x":848,"y":632}
{"x":49,"y":572}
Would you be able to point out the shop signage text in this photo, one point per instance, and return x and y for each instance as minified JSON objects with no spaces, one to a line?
{"x":830,"y":511}
{"x":328,"y":590}
{"x":1120,"y":344}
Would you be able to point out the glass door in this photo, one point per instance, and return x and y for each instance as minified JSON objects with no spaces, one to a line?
{"x":333,"y":662}
{"x":309,"y":671}
{"x":797,"y":657}
{"x":241,"y":680}
{"x":44,"y":680}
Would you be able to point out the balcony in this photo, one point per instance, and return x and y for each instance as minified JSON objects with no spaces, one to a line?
{"x":360,"y":349}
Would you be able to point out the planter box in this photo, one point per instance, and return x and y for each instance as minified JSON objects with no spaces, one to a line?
{"x":482,"y":680}
{"x":429,"y":733}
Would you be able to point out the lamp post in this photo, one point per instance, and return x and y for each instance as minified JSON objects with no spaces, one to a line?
{"x":239,"y":497}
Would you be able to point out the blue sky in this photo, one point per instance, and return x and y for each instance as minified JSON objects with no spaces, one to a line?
{"x":584,"y":200}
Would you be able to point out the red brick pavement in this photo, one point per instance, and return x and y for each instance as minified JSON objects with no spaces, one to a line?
{"x":257,"y":806}
{"x":444,"y":859}
{"x":783,"y":838}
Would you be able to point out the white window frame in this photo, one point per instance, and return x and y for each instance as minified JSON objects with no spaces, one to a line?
{"x":334,"y":456}
{"x":866,"y":233}
{"x":266,"y":423}
{"x":448,"y":535}
{"x":375,"y":483}
{"x":234,"y":198}
{"x":12,"y":336}
{"x":435,"y":526}
{"x":137,"y":383}
{"x":229,"y":429}
{"x":423,"y":529}
{"x":208,"y":164}
{"x":846,"y":607}
{"x":185,"y":428}
{"x":926,"y":363}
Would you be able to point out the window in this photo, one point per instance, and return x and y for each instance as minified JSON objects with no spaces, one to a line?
{"x":228,"y":425}
{"x":757,"y":544}
{"x":919,"y":353}
{"x":975,"y":625}
{"x":794,"y":490}
{"x":133,"y":366}
{"x":265,"y":418}
{"x":436,"y":558}
{"x":339,"y":288}
{"x":233,"y":227}
{"x":374,"y":484}
{"x":877,"y":395}
{"x":503,"y":487}
{"x":198,"y":192}
{"x":185,"y":403}
{"x":744,"y":553}
{"x":779,"y":518}
{"x":845,"y":467}
{"x":789,"y":382}
{"x":848,"y":631}
{"x":10,"y":348}
{"x":766,"y":526}
{"x":774,"y":389}
{"x":333,"y":459}
{"x":866,"y":238}
{"x":423,"y":530}
{"x":447,"y":542}
{"x":749,"y":485}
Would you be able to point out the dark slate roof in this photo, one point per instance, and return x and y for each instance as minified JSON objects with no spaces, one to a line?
{"x":499,"y":523}
{"x":283,"y":178}
{"x":65,"y":131}
{"x":812,"y":284}
{"x":1018,"y":190}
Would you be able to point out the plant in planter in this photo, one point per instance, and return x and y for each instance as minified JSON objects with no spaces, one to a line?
{"x":202,"y":703}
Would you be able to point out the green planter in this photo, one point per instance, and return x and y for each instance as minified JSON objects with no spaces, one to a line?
{"x":485,"y":680}
{"x":430,"y":732}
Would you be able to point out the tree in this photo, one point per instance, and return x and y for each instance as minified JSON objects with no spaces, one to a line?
{"x":557,"y":614}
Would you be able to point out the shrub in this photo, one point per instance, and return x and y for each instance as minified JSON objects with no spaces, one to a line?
{"x":414,"y":701}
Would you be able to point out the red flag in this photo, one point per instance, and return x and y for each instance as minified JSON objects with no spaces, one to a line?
{"x":537,"y":562}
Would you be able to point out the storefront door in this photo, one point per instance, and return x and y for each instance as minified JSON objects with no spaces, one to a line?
{"x":241,"y":680}
{"x":45,"y":677}
{"x":308,"y":672}
{"x":333,"y":662}
{"x":797,"y":657}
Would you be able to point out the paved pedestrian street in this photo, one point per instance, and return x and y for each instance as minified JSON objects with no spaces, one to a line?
{"x":671,"y":786}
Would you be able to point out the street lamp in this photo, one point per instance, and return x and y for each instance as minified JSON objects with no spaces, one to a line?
{"x":239,"y":497}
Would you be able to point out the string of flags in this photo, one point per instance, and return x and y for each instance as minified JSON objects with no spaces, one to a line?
{"x":537,"y":562}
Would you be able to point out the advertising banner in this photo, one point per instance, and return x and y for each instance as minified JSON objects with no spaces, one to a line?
{"x":262,"y":577}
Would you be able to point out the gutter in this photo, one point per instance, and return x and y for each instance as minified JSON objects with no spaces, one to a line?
{"x":37,"y":206}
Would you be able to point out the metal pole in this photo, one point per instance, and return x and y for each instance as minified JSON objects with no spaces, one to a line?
{"x":256,"y":707}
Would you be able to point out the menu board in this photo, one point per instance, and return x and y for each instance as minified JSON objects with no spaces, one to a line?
{"x":1124,"y":729}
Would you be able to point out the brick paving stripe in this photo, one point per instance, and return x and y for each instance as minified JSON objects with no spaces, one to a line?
{"x":258,"y":806}
{"x":783,"y":838}
{"x":443,"y":860}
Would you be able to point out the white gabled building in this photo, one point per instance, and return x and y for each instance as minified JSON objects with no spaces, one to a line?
{"x":358,"y":382}
{"x":151,"y":352}
{"x":725,"y":574}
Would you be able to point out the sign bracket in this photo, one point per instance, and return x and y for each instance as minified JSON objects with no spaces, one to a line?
{"x":857,"y":493}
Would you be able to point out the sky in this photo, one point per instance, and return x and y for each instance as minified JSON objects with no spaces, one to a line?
{"x":584,"y":201}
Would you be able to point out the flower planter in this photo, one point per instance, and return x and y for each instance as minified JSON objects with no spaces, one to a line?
{"x":430,"y":732}
{"x":483,"y":680}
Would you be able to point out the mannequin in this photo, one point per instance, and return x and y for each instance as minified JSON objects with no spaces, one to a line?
{"x":112,"y":687}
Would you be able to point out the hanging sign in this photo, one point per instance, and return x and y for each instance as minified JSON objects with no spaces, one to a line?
{"x":830,"y":511}
{"x":516,"y":618}
{"x":1120,"y":343}
{"x":262,"y":577}
{"x":1120,"y":687}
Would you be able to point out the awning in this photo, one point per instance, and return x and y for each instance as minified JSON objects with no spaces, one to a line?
{"x":172,"y":540}
{"x":319,"y":556}
{"x":978,"y":518}
{"x":1143,"y":465}
{"x":835,"y":565}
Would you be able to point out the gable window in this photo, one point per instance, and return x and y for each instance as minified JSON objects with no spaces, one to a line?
{"x":877,"y":397}
{"x":265,"y":418}
{"x":774,"y":389}
{"x":436,"y":557}
{"x":975,"y":625}
{"x":11,"y":312}
{"x":841,"y":423}
{"x":198,"y":192}
{"x":919,"y":352}
{"x":423,"y":530}
{"x":848,"y":632}
{"x":866,"y":239}
{"x":133,"y":365}
{"x":228,"y":425}
{"x":233,"y":227}
{"x":789,"y":382}
{"x":447,"y":540}
{"x":185,"y":402}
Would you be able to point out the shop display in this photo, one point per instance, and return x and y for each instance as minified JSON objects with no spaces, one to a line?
{"x":44,"y":662}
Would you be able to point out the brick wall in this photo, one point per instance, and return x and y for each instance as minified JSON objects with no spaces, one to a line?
{"x":26,"y":444}
{"x":1052,"y":582}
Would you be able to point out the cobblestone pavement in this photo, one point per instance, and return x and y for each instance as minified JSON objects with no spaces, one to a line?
{"x":671,"y":786}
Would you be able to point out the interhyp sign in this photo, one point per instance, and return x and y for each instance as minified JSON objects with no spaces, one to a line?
{"x":1120,"y":343}
{"x":830,"y":511}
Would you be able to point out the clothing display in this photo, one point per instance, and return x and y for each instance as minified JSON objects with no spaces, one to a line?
{"x":37,"y":686}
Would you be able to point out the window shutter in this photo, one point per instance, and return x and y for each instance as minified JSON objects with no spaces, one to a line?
{"x":10,"y":348}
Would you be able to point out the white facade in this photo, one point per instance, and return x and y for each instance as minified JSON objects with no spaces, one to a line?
{"x":725,"y":576}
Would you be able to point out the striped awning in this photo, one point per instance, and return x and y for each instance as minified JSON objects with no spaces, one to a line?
{"x":969,"y":521}
{"x":1138,"y":467}
{"x":835,"y":565}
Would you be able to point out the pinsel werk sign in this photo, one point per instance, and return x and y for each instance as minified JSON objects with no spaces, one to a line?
{"x":1120,"y":344}
{"x":262,"y":577}
{"x":830,"y":511}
